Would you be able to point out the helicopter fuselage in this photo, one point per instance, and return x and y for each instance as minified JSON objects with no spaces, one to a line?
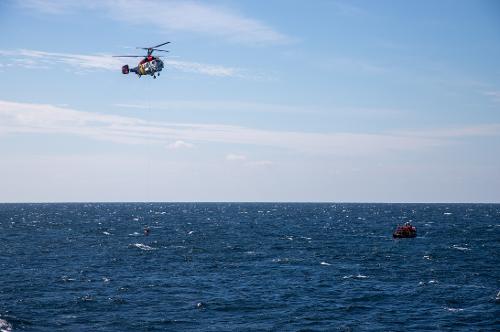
{"x":150,"y":65}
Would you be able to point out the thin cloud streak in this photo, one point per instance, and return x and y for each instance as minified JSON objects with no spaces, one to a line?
{"x":219,"y":105}
{"x":241,"y":106}
{"x":172,"y":15}
{"x":180,"y":145}
{"x":30,"y":59}
{"x":21,"y":118}
{"x":494,"y":95}
{"x":352,"y":64}
{"x":262,"y":163}
{"x":456,"y":132}
{"x":200,"y":68}
{"x":236,"y":157}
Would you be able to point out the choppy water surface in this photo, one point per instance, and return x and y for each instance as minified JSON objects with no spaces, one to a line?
{"x":225,"y":267}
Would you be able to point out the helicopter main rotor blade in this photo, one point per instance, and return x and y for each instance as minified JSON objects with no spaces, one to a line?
{"x":152,"y":47}
{"x":160,"y":45}
{"x":128,"y":56}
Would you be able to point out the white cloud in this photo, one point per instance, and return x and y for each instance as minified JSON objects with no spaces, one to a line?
{"x":179,"y":145}
{"x":48,"y":6}
{"x":20,"y":118}
{"x":454,"y":132}
{"x":225,"y":105}
{"x":136,"y":106}
{"x":171,"y":15}
{"x":40,"y":59}
{"x":348,"y":9}
{"x":262,"y":163}
{"x":236,"y":157}
{"x":352,"y":64}
{"x":495,"y":95}
{"x":200,"y":68}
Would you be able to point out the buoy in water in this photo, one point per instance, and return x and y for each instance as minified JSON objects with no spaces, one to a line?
{"x":406,"y":231}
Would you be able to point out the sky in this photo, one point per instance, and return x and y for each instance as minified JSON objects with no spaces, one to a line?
{"x":279,"y":100}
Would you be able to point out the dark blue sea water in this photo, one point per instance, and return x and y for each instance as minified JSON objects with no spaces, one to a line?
{"x":248,"y":267}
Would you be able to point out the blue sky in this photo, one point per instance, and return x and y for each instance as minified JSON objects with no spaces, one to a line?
{"x":358,"y":101}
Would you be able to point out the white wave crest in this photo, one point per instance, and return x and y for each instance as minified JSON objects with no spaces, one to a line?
{"x":67,"y":279}
{"x":459,"y":248}
{"x":5,"y":326}
{"x":454,"y":309}
{"x":143,"y":246}
{"x":281,"y":260}
{"x":359,"y":276}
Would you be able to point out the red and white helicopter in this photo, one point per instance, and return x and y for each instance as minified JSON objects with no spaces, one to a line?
{"x":149,"y":65}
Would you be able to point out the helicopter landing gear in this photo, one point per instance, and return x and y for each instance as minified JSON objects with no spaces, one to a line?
{"x":154,"y":76}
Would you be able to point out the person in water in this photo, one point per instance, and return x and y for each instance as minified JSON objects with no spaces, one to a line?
{"x":146,"y":231}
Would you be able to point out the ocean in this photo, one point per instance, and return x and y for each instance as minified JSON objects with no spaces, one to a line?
{"x":248,"y":267}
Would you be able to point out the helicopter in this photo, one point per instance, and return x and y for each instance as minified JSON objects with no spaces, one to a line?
{"x":149,"y":65}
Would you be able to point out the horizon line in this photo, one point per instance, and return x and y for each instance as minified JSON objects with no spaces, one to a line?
{"x":238,"y":202}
